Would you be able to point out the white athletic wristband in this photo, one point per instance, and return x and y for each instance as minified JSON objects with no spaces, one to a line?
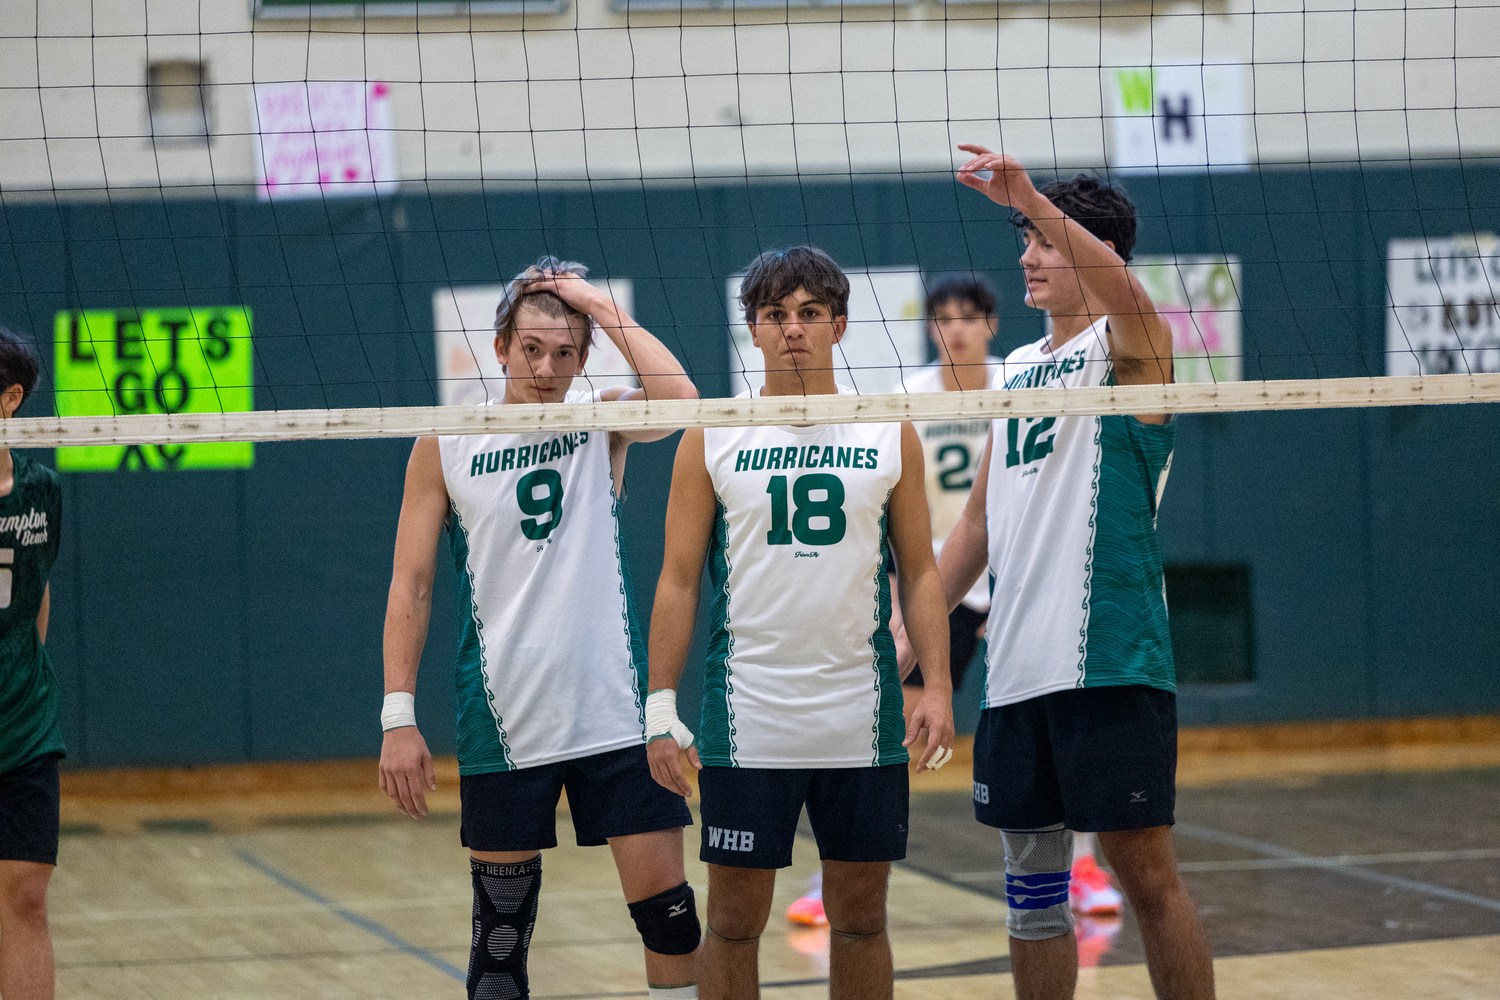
{"x":400,"y":709}
{"x":662,"y":720}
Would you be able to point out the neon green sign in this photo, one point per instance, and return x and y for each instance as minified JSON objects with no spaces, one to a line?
{"x":121,"y":361}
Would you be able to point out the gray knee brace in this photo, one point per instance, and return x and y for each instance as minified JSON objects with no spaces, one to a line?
{"x":1037,"y":863}
{"x":668,"y":921}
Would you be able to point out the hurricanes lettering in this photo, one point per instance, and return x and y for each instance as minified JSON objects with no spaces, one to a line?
{"x":810,"y":457}
{"x":1039,"y":375}
{"x":528,"y":455}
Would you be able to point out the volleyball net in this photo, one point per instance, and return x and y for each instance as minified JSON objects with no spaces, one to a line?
{"x":295,"y":220}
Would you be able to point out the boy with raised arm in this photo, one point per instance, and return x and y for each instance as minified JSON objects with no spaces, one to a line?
{"x":1079,"y":728}
{"x":551,"y":670}
{"x":801,"y":702}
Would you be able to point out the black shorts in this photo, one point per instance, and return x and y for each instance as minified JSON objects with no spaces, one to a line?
{"x":964,"y":624}
{"x":29,"y":816}
{"x":1090,"y":758}
{"x":610,"y":794}
{"x":750,"y":814}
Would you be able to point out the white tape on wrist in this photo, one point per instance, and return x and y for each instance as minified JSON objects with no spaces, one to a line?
{"x":662,"y":720}
{"x":400,"y":709}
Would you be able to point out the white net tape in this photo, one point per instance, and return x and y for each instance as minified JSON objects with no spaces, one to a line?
{"x":413,"y":421}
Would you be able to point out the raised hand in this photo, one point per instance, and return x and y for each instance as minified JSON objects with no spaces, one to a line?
{"x":1008,"y":183}
{"x":572,"y":289}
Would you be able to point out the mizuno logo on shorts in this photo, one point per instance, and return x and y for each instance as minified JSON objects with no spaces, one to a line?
{"x":731,"y":840}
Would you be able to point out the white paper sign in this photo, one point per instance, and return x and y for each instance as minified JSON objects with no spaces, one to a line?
{"x":886,"y":333}
{"x":318,"y":139}
{"x":1177,"y":116}
{"x":1441,"y":316}
{"x":1199,"y":297}
{"x":469,"y":371}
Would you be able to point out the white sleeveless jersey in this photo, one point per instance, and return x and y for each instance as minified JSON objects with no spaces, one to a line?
{"x":951,"y":450}
{"x":801,"y":668}
{"x":1078,"y":599}
{"x":551,"y":665}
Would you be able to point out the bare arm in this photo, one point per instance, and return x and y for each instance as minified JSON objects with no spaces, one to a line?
{"x":44,"y":614}
{"x":662,"y":375}
{"x":405,"y":763}
{"x":690,"y":520}
{"x":1140,"y":341}
{"x":920,"y":590}
{"x":966,"y":553}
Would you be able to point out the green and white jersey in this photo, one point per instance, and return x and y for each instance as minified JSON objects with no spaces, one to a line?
{"x":801,"y":667}
{"x":551,"y":665}
{"x":30,"y":529}
{"x":951,"y":450}
{"x":1078,"y":599}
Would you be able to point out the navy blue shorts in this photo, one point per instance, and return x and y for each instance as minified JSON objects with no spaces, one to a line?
{"x":750,"y":814}
{"x":1090,"y":758}
{"x":610,"y":794}
{"x":29,"y":816}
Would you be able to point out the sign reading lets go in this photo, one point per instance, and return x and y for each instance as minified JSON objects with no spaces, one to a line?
{"x":122,"y":361}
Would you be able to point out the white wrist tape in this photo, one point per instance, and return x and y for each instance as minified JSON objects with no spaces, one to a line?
{"x":400,"y":709}
{"x":662,"y":720}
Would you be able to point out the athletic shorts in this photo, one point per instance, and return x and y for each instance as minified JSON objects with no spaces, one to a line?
{"x":610,"y":794}
{"x":29,"y":817}
{"x":1090,"y":758}
{"x":750,"y":814}
{"x":964,"y":624}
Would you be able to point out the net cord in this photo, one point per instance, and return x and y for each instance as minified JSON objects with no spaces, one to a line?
{"x":641,"y":415}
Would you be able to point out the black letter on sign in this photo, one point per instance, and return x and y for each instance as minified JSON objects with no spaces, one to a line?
{"x":75,"y":349}
{"x":123,"y":339}
{"x":218,"y":346}
{"x":174,"y":332}
{"x":129,"y":396}
{"x":182,"y":389}
{"x":171,"y":457}
{"x":1183,"y":117}
{"x":134,"y":451}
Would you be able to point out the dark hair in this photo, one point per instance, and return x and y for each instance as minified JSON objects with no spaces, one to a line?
{"x":1101,"y":208}
{"x":544,"y":302}
{"x":776,"y":274}
{"x":961,"y":288}
{"x":18,"y":365}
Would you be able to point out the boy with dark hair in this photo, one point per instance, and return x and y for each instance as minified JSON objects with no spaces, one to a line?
{"x":1079,"y":729}
{"x":801,"y":698}
{"x":551,"y":670}
{"x":30,"y":732}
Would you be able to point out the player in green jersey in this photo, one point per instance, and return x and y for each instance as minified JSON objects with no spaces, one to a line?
{"x":30,"y":734}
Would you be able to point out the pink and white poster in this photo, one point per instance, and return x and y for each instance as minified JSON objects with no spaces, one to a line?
{"x":323,"y":139}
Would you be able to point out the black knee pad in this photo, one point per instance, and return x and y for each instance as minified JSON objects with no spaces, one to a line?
{"x":668,"y":921}
{"x":505,"y":899}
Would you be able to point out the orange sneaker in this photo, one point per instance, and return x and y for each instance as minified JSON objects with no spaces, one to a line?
{"x":1091,"y":891}
{"x":808,"y":911}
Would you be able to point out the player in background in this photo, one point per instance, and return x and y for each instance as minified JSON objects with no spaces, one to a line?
{"x":551,"y":669}
{"x":30,"y":731}
{"x":801,"y":701}
{"x":1079,"y":727}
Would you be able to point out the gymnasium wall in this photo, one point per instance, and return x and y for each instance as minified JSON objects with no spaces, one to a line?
{"x":226,"y":616}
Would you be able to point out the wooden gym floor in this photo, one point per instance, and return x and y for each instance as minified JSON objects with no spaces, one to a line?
{"x":1356,"y":860}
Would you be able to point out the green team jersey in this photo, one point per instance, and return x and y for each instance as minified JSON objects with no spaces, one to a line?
{"x":30,"y":523}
